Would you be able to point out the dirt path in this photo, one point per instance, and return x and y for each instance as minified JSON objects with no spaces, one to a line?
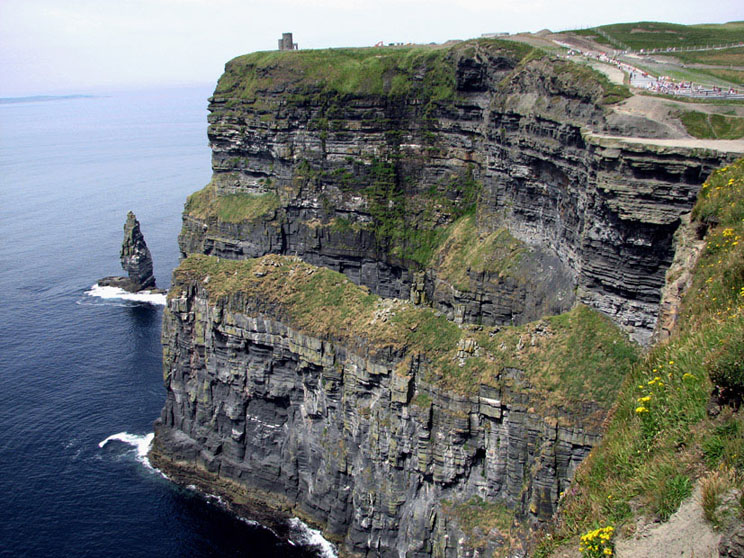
{"x":725,"y":146}
{"x":685,"y":535}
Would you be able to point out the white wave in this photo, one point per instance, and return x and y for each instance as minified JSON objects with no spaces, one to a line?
{"x":140,"y":442}
{"x":120,"y":294}
{"x":306,"y":536}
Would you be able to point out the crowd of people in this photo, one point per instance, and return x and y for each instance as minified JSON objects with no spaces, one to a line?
{"x":665,"y":85}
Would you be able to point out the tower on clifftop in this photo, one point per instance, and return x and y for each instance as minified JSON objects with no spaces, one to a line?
{"x":285,"y":43}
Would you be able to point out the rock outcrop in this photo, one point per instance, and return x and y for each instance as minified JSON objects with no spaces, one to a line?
{"x":135,"y":260}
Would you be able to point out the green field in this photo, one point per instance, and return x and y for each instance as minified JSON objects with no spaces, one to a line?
{"x":712,"y":126}
{"x":654,"y":35}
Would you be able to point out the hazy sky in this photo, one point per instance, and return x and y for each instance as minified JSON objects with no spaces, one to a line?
{"x":79,"y":46}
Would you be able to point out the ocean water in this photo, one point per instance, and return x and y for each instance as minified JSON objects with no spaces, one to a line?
{"x":80,"y":375}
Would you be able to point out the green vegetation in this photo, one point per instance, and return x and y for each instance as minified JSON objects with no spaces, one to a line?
{"x":598,"y":543}
{"x":478,"y":518}
{"x":651,"y":35}
{"x":464,"y":251}
{"x":713,"y":126}
{"x":568,"y":360}
{"x":651,"y":452}
{"x":355,"y":71}
{"x":723,"y":58}
{"x":427,"y":73}
{"x":404,"y":225}
{"x":231,"y":208}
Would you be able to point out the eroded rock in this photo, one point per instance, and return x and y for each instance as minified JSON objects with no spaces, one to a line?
{"x":135,"y":260}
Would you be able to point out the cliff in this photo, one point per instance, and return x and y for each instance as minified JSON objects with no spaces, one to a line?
{"x":409,"y":333}
{"x":365,"y":161}
{"x":382,"y":422}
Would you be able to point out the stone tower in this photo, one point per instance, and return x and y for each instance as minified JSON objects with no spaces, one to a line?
{"x":285,"y":43}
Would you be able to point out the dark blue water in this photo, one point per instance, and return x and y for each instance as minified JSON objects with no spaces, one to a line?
{"x":75,"y":369}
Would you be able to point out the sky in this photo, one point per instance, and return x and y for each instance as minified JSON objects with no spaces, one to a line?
{"x":93,"y":46}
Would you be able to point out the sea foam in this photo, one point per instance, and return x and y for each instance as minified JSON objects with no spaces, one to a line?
{"x":148,"y":297}
{"x":140,"y":442}
{"x":303,"y":535}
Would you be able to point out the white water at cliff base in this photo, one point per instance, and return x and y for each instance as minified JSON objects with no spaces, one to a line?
{"x":115,"y":293}
{"x":306,"y":536}
{"x":141,"y":444}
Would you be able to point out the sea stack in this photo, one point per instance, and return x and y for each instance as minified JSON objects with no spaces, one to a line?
{"x":135,"y":260}
{"x":135,"y":255}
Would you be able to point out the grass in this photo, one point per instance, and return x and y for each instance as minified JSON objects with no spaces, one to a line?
{"x":426,"y":73}
{"x":661,"y":439}
{"x":568,"y":361}
{"x":423,"y":71}
{"x":719,"y":490}
{"x":478,"y":519}
{"x":230,"y":208}
{"x":652,"y":35}
{"x":723,"y":57}
{"x":464,"y":251}
{"x":713,"y":126}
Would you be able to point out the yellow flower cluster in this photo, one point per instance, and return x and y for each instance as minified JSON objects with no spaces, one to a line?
{"x":597,"y":543}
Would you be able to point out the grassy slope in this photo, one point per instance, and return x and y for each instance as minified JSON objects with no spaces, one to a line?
{"x":568,"y":360}
{"x":661,"y":439}
{"x":730,"y":62}
{"x":650,"y":35}
{"x":464,"y":251}
{"x":426,"y":72}
{"x":232,"y":208}
{"x":712,"y":126}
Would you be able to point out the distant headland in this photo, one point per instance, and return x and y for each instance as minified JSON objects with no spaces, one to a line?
{"x":41,"y":98}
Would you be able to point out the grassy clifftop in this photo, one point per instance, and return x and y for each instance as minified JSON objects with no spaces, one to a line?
{"x":567,"y":360}
{"x":427,"y":71}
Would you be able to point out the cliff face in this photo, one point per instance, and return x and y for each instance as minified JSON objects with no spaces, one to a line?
{"x":354,"y":428}
{"x":368,"y":183}
{"x":471,"y":188}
